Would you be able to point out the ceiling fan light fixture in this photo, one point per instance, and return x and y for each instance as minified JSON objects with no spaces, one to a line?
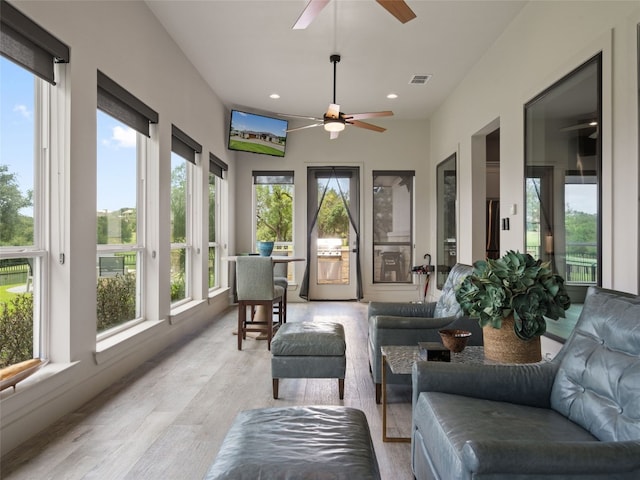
{"x":333,"y":125}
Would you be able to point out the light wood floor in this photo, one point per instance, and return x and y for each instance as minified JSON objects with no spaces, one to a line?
{"x":167,"y":420}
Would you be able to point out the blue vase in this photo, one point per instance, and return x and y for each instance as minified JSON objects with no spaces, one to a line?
{"x":265,"y":248}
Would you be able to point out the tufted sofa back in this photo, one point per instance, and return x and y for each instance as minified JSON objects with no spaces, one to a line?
{"x":598,"y":380}
{"x":447,"y":305}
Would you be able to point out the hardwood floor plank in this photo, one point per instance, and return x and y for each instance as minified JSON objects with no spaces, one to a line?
{"x":168,"y":418}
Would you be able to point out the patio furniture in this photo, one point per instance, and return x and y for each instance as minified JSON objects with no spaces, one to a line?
{"x":404,"y":323}
{"x":577,"y":416}
{"x":309,"y":350}
{"x":254,"y":278}
{"x":301,"y":443}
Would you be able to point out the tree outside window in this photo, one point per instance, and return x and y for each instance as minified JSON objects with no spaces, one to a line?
{"x":178,"y":209}
{"x":273,"y":209}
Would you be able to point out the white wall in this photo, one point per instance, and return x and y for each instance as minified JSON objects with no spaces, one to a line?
{"x":124,"y":41}
{"x":546,"y":41}
{"x":404,"y":146}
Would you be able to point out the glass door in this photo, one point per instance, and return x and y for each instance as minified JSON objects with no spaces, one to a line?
{"x":333,"y":224}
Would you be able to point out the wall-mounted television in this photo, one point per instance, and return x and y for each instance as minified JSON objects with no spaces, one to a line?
{"x":250,"y":132}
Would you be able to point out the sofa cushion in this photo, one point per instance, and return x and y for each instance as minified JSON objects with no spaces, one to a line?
{"x":448,"y":422}
{"x":598,"y":383}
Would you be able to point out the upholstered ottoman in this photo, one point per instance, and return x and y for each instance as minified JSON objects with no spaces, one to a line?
{"x":301,"y":443}
{"x":309,"y":350}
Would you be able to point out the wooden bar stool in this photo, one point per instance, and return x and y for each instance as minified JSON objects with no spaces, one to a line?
{"x":256,"y":288}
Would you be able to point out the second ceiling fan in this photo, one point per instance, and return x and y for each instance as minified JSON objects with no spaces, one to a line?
{"x":334,"y":121}
{"x":397,"y":8}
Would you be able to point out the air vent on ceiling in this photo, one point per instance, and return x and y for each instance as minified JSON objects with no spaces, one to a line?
{"x":419,"y":79}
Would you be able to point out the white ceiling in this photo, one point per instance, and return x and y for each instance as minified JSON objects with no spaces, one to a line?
{"x":247,"y":50}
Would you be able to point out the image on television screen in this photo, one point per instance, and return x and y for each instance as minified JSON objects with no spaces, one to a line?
{"x":254,"y":133}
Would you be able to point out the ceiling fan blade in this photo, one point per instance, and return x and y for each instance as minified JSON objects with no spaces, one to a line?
{"x":579,"y":126}
{"x":368,"y":126}
{"x":399,"y":9}
{"x":333,"y":135}
{"x":358,"y":116}
{"x":313,"y":8}
{"x":299,"y":116}
{"x":302,"y":128}
{"x":333,"y":111}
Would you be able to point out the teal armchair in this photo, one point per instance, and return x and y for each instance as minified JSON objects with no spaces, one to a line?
{"x":575,"y":417}
{"x":403,"y":323}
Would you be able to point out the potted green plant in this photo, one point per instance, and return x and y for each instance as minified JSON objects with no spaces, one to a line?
{"x":512,"y":296}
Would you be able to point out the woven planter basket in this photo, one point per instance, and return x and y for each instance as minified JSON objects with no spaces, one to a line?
{"x":502,"y":345}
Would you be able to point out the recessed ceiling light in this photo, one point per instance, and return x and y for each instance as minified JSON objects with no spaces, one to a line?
{"x":274,"y":96}
{"x":392,"y":95}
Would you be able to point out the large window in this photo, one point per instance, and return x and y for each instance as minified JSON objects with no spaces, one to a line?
{"x":392,"y":226}
{"x":563,"y":177}
{"x":122,"y":131}
{"x":19,"y":190}
{"x":28,"y":79}
{"x":217,"y":169}
{"x":183,"y":161}
{"x":118,"y":238}
{"x":273,"y":209}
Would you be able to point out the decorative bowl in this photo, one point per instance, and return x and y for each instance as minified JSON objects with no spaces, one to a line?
{"x":454,"y":340}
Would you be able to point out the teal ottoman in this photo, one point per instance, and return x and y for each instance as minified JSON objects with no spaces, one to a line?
{"x":309,"y":350}
{"x":297,"y":443}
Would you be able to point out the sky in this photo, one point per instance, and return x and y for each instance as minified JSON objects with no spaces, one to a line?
{"x":581,"y":197}
{"x":116,"y":143}
{"x":16,"y":120}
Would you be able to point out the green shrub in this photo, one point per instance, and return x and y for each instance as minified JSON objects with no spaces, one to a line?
{"x":16,"y":329}
{"x":178,"y":288}
{"x":116,"y":300}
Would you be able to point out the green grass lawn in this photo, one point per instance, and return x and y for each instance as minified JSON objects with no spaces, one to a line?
{"x":254,"y":147}
{"x":5,"y":295}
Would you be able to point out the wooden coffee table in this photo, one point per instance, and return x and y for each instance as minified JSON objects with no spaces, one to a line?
{"x":400,"y":359}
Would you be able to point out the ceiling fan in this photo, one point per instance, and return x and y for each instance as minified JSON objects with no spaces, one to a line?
{"x":334,"y":121}
{"x":397,"y":8}
{"x":589,"y":124}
